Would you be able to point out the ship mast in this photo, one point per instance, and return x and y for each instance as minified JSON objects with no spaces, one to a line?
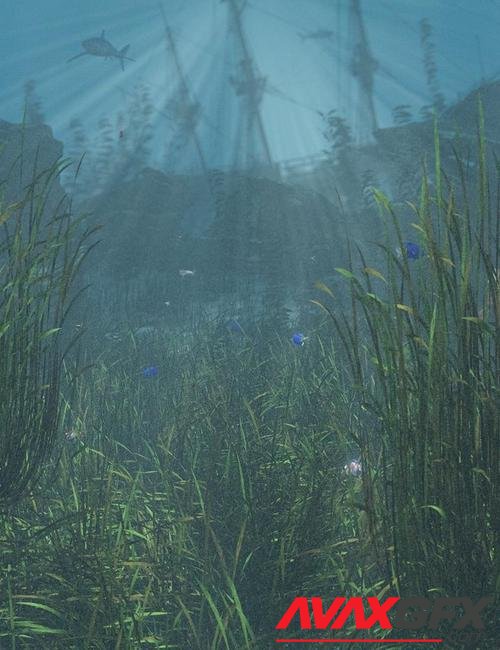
{"x":363,"y":67}
{"x":186,"y":110}
{"x":250,"y":86}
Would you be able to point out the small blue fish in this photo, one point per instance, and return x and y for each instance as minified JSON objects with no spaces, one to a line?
{"x":234,"y":327}
{"x":298,"y":339}
{"x":413,"y":251}
{"x":150,"y":371}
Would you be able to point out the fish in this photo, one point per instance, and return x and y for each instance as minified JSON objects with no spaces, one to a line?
{"x":298,"y":339}
{"x":100,"y":46}
{"x":319,"y":34}
{"x":150,"y":371}
{"x":411,"y":250}
{"x":184,"y":272}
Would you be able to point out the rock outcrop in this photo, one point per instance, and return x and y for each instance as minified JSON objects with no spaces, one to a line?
{"x":26,"y":153}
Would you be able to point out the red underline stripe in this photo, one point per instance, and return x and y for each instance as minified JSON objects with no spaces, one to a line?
{"x":359,"y":640}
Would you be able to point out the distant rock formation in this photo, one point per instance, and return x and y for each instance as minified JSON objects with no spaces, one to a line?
{"x":26,"y":152}
{"x":395,"y":163}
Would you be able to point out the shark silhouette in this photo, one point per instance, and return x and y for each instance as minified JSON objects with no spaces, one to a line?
{"x":99,"y":46}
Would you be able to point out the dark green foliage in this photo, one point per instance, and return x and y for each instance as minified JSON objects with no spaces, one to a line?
{"x":38,"y":261}
{"x":189,"y":509}
{"x":80,"y":158}
{"x":428,"y":374}
{"x":120,"y":150}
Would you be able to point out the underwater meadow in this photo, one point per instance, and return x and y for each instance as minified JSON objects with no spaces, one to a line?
{"x":163,"y":488}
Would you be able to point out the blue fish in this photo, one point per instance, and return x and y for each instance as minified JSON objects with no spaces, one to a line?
{"x":413,"y":251}
{"x":298,"y":339}
{"x":150,"y":371}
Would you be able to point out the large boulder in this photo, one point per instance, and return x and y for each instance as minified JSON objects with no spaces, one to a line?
{"x":28,"y":152}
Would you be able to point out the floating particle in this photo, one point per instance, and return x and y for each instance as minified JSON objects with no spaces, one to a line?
{"x":353,"y":468}
{"x":73,"y":435}
{"x":234,"y":327}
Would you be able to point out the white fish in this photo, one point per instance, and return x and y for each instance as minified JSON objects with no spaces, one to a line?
{"x":184,"y":272}
{"x":146,"y":331}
